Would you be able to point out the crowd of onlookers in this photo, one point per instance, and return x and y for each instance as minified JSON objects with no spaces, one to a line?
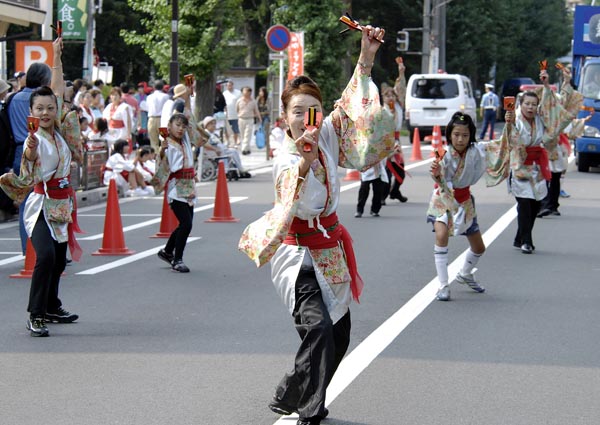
{"x":125,"y":120}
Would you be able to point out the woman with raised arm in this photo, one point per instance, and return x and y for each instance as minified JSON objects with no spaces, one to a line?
{"x":50,"y":211}
{"x":312,"y":261}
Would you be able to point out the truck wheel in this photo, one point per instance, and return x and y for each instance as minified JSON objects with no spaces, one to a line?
{"x":583,"y":164}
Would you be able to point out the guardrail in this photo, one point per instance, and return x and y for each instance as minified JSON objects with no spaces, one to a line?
{"x":89,"y":174}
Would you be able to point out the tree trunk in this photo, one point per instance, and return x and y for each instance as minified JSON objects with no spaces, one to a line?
{"x":205,"y":97}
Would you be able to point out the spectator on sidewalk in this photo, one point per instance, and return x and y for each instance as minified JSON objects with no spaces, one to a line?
{"x":248,"y":114}
{"x":123,"y":171}
{"x":215,"y":145}
{"x":118,"y":116}
{"x":232,"y":95}
{"x":155,"y":102}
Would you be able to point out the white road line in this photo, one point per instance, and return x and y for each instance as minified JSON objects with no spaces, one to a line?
{"x":11,"y":260}
{"x":10,"y":239}
{"x":127,"y":260}
{"x":232,"y":199}
{"x":408,"y":167}
{"x":368,"y":350}
{"x":9,"y":252}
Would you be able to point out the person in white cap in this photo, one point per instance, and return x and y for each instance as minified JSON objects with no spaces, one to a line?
{"x":488,"y":107}
{"x":215,"y":144}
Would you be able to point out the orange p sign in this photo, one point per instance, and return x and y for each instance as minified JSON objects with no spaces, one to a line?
{"x":28,"y":52}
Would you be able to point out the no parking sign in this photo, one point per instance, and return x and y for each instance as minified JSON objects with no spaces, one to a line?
{"x":278,"y":38}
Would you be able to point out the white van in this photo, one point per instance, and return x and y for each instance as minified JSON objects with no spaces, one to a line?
{"x":432,"y":99}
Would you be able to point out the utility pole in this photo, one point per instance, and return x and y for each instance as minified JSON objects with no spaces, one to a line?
{"x":426,"y":49}
{"x":174,"y":65}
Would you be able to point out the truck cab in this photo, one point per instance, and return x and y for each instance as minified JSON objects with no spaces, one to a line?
{"x":587,"y":147}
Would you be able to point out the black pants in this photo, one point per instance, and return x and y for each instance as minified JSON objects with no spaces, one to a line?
{"x":527,"y":210}
{"x":185,"y":215}
{"x":51,"y":260}
{"x":551,"y":200}
{"x":363,"y":195}
{"x":321,"y":351}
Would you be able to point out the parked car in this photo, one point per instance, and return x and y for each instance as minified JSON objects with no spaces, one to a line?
{"x":432,"y":99}
{"x":511,"y":87}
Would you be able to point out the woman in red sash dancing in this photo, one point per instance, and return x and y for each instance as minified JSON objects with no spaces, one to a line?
{"x":313,"y":264}
{"x":50,"y":211}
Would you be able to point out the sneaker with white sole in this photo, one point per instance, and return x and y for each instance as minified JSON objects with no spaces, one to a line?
{"x":138,"y":191}
{"x":469,"y":280}
{"x":443,"y":294}
{"x":37,"y":326}
{"x":60,"y":315}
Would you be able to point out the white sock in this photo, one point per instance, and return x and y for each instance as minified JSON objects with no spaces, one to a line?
{"x":440,"y":254}
{"x":471,"y":260}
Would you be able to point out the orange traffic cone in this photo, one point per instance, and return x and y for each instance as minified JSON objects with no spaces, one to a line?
{"x":436,"y":140}
{"x":222,"y":211}
{"x":352,"y":175}
{"x":113,"y":241}
{"x":30,"y":258}
{"x":416,"y":147}
{"x":168,"y":221}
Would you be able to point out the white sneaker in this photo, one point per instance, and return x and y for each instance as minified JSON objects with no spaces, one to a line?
{"x":443,"y":294}
{"x":468,"y":279}
{"x":138,"y":191}
{"x":149,"y":191}
{"x":129,"y":193}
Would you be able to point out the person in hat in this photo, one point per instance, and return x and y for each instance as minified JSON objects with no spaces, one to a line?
{"x":20,"y":76}
{"x":209,"y":124}
{"x":488,"y":107}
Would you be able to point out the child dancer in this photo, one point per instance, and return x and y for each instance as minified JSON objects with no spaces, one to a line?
{"x":176,"y":168}
{"x":452,"y":207}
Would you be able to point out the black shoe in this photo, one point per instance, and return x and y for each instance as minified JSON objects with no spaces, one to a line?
{"x":178,"y":266}
{"x":166,"y":257}
{"x":358,"y":214}
{"x":37,"y":326}
{"x":281,"y":408}
{"x":526,"y":248}
{"x":374,"y":214}
{"x":315,"y":420}
{"x":556,"y":213}
{"x":245,"y":175}
{"x":402,"y":199}
{"x":517,"y":244}
{"x":545,"y":212}
{"x":60,"y":315}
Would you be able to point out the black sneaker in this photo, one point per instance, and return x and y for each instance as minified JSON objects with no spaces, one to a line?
{"x":37,"y":327}
{"x":178,"y":266}
{"x":61,"y":316}
{"x":163,"y":255}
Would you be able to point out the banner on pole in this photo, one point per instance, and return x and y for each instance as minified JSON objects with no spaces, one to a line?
{"x":296,"y":55}
{"x":74,"y":17}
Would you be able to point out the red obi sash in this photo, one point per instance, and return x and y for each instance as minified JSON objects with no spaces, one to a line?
{"x":184,"y":173}
{"x":399,"y":161}
{"x":123,"y":173}
{"x":116,"y":123}
{"x":539,"y":156}
{"x":61,"y":189}
{"x":303,"y":235}
{"x":462,"y":194}
{"x":564,"y":140}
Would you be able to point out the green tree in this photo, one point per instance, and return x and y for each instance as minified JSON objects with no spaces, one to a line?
{"x":205,"y":30}
{"x":324,"y":49}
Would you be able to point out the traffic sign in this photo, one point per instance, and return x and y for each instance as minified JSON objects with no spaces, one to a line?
{"x":278,"y":38}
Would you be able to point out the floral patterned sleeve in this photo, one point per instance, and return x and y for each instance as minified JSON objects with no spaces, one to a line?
{"x":400,"y":88}
{"x":557,"y":113}
{"x":497,"y":158}
{"x":263,"y":237}
{"x":364,"y":129}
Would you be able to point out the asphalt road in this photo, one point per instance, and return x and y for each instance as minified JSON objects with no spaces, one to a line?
{"x":207,"y":348}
